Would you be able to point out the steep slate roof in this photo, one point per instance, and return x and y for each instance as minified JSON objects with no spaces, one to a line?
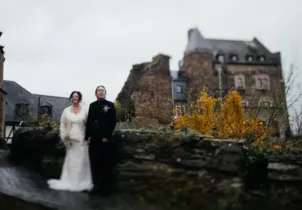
{"x":241,"y":48}
{"x":58,"y":104}
{"x":16,"y":93}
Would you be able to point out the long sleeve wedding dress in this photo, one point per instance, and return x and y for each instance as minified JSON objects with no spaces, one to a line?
{"x":76,"y":172}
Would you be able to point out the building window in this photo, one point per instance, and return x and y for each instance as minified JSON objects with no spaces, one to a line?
{"x":261,"y":58}
{"x":220,"y":58}
{"x":245,"y":104}
{"x":180,"y":110}
{"x":239,"y":82}
{"x":249,"y":58}
{"x":178,"y":89}
{"x":46,"y":110}
{"x":233,"y":57}
{"x":22,"y":108}
{"x":265,"y":103}
{"x":262,"y":82}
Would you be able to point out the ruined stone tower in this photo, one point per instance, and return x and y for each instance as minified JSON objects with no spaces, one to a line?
{"x":147,"y":93}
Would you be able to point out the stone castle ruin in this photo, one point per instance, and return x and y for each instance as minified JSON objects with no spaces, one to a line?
{"x":152,"y":90}
{"x":146,"y":94}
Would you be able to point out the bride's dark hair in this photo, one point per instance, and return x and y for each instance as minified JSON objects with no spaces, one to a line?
{"x":77,"y":92}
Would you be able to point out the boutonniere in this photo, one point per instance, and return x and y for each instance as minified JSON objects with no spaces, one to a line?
{"x":106,"y":108}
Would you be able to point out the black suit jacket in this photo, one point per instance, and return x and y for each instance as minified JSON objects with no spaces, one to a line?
{"x":101,"y":120}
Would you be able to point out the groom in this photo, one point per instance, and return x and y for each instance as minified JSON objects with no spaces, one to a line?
{"x":101,"y":122}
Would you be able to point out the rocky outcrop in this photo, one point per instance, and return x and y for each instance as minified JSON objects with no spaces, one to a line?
{"x":147,"y":93}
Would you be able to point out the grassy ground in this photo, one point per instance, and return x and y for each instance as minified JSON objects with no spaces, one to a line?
{"x":130,"y":125}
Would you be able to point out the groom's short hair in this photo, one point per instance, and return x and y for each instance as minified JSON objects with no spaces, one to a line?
{"x":99,"y":87}
{"x":77,"y":92}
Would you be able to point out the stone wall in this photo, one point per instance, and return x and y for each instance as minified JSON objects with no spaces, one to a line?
{"x":148,"y":93}
{"x":164,"y":167}
{"x":175,"y":169}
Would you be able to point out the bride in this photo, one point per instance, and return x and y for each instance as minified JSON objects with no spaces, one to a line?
{"x":76,"y":172}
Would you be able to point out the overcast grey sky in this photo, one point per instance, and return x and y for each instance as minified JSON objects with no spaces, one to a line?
{"x":56,"y":46}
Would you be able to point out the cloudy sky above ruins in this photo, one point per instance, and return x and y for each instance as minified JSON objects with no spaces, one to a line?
{"x":54,"y":47}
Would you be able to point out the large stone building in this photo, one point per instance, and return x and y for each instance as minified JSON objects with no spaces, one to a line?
{"x":2,"y":92}
{"x":217,"y":65}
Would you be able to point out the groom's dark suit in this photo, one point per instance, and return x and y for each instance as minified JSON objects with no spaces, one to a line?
{"x":101,"y":122}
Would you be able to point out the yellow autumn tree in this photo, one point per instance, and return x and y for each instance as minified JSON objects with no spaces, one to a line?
{"x":117,"y":105}
{"x":230,"y":121}
{"x":47,"y":121}
{"x":202,"y":117}
{"x":207,"y":117}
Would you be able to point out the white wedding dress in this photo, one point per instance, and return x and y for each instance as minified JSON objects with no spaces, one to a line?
{"x":76,"y":172}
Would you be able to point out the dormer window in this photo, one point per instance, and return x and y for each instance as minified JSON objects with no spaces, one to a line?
{"x":46,"y":108}
{"x":249,"y":58}
{"x":239,"y":82}
{"x":261,"y":58}
{"x":220,"y":58}
{"x":22,"y":108}
{"x":233,"y":57}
